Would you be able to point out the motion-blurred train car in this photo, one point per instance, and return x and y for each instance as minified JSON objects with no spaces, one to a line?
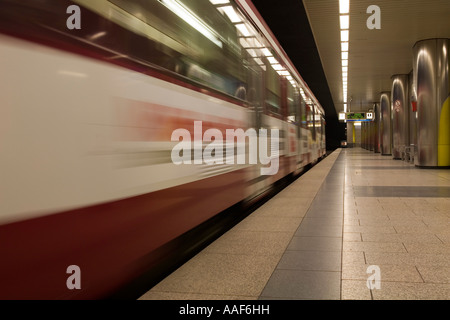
{"x":91,"y":95}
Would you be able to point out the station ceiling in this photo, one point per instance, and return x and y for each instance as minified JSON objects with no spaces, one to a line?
{"x":309,"y":32}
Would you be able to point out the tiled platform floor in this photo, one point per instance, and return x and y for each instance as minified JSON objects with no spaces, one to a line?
{"x":317,"y":238}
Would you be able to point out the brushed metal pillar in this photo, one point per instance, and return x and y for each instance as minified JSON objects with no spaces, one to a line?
{"x":363,"y":141}
{"x":399,"y":114}
{"x":430,"y":71}
{"x":385,"y":122}
{"x":372,"y":135}
{"x":377,"y":115}
{"x":363,"y":135}
{"x":412,"y":113}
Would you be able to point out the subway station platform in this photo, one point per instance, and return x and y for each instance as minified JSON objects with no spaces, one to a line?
{"x":357,"y":226}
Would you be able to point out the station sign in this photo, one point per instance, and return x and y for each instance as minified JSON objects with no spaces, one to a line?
{"x":356,"y":116}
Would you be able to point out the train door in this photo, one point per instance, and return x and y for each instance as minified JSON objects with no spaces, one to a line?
{"x":311,"y":132}
{"x":303,"y":130}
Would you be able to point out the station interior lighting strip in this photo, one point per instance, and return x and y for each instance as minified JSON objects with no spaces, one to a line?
{"x":189,"y":17}
{"x":249,"y":40}
{"x":344,"y":21}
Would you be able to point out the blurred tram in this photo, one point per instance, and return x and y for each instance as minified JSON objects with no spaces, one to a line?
{"x":91,"y":93}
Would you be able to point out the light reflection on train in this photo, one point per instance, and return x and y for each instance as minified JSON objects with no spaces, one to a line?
{"x":86,"y":122}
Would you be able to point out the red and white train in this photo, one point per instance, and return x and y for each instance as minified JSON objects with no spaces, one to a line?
{"x":91,"y":92}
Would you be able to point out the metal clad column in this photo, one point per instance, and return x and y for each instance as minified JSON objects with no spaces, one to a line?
{"x":443,"y":95}
{"x":412,"y":112}
{"x":372,"y":136}
{"x":385,"y":121}
{"x":363,"y":135}
{"x":400,"y":115}
{"x":430,"y":70}
{"x":376,"y":121}
{"x":366,"y":135}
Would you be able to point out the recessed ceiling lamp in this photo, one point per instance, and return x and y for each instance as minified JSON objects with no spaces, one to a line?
{"x":184,"y":13}
{"x":344,"y":6}
{"x":344,"y":22}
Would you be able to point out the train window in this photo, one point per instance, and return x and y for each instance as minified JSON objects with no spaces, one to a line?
{"x":303,"y":116}
{"x":194,"y":39}
{"x":317,"y":122}
{"x":310,"y":117}
{"x":273,"y":90}
{"x":210,"y":44}
{"x":292,"y":103}
{"x":272,"y":102}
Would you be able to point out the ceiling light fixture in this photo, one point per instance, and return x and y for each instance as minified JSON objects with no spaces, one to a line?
{"x":243,"y":29}
{"x":219,"y":1}
{"x":344,"y":6}
{"x":272,"y":60}
{"x":190,"y":18}
{"x":344,"y":22}
{"x":231,"y":14}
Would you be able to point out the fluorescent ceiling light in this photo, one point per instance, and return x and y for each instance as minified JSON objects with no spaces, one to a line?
{"x":344,"y":6}
{"x":344,"y":63}
{"x":243,"y":29}
{"x":344,"y":69}
{"x":252,"y":42}
{"x":344,"y":46}
{"x":244,"y":43}
{"x":219,"y":1}
{"x":272,"y":60}
{"x":344,"y":55}
{"x":345,"y":22}
{"x":231,"y":14}
{"x":190,"y":18}
{"x":252,"y":53}
{"x":277,"y":66}
{"x":283,"y":73}
{"x":344,"y":35}
{"x":266,"y":52}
